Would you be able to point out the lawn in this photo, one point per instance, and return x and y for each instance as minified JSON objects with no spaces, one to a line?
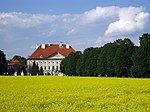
{"x":76,"y":94}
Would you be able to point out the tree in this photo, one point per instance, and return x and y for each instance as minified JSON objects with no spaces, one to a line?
{"x":41,"y":71}
{"x":111,"y":49}
{"x":22,"y":60}
{"x":34,"y":69}
{"x":68,"y":65}
{"x":62,"y":65}
{"x":20,"y":67}
{"x":101,"y":63}
{"x":37,"y":69}
{"x":122,"y":61}
{"x":105,"y":60}
{"x":24,"y":70}
{"x":29,"y":68}
{"x":83,"y":63}
{"x":79,"y":65}
{"x":141,"y":58}
{"x":11,"y":70}
{"x":3,"y":63}
{"x":91,"y":63}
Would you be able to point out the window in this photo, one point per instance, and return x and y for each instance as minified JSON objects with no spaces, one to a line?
{"x":56,"y":68}
{"x":45,"y":67}
{"x":49,"y":67}
{"x":41,"y":56}
{"x":52,"y":67}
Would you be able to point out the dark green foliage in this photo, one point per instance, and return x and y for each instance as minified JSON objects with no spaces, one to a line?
{"x":101,"y":62}
{"x":141,"y":58}
{"x":62,"y":65}
{"x":68,"y":65}
{"x":118,"y":59}
{"x":11,"y":70}
{"x":22,"y":60}
{"x":37,"y":69}
{"x":90,"y":63}
{"x":41,"y":71}
{"x":21,"y":67}
{"x":18,"y":69}
{"x":24,"y":70}
{"x":3,"y":63}
{"x":84,"y":62}
{"x":34,"y":68}
{"x":79,"y":65}
{"x":122,"y":60}
{"x":105,"y":60}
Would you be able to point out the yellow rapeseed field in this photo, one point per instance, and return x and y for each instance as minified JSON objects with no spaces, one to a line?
{"x":73,"y":94}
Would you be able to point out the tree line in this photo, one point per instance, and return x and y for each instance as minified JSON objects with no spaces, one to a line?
{"x":5,"y":69}
{"x":118,"y":59}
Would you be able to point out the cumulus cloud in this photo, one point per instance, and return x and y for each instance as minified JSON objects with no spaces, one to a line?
{"x":23,"y":20}
{"x":128,"y":19}
{"x":131,"y":19}
{"x":90,"y":28}
{"x":99,"y":13}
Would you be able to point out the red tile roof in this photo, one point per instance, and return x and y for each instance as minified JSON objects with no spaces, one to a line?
{"x":14,"y":62}
{"x":51,"y":49}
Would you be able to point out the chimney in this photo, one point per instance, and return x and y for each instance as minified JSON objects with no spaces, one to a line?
{"x":60,"y":44}
{"x":49,"y":44}
{"x":67,"y":46}
{"x":43,"y":46}
{"x":37,"y":45}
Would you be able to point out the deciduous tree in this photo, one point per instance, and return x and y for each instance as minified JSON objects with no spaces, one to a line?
{"x":122,"y":61}
{"x":41,"y":71}
{"x":3,"y":63}
{"x":34,"y":69}
{"x":68,"y":65}
{"x":141,"y":58}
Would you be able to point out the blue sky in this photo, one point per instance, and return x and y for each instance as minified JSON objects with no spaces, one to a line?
{"x":80,"y":23}
{"x":65,"y":6}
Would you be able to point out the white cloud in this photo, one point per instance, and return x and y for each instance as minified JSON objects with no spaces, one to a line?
{"x":131,"y":19}
{"x":23,"y":20}
{"x":83,"y":29}
{"x":99,"y":13}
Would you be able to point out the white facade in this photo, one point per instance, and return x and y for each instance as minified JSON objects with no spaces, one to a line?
{"x":51,"y":65}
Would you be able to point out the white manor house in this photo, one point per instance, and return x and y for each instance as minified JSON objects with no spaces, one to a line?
{"x":49,"y":56}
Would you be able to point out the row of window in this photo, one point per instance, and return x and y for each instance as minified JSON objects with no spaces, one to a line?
{"x":47,"y":62}
{"x":53,"y":68}
{"x":41,"y":62}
